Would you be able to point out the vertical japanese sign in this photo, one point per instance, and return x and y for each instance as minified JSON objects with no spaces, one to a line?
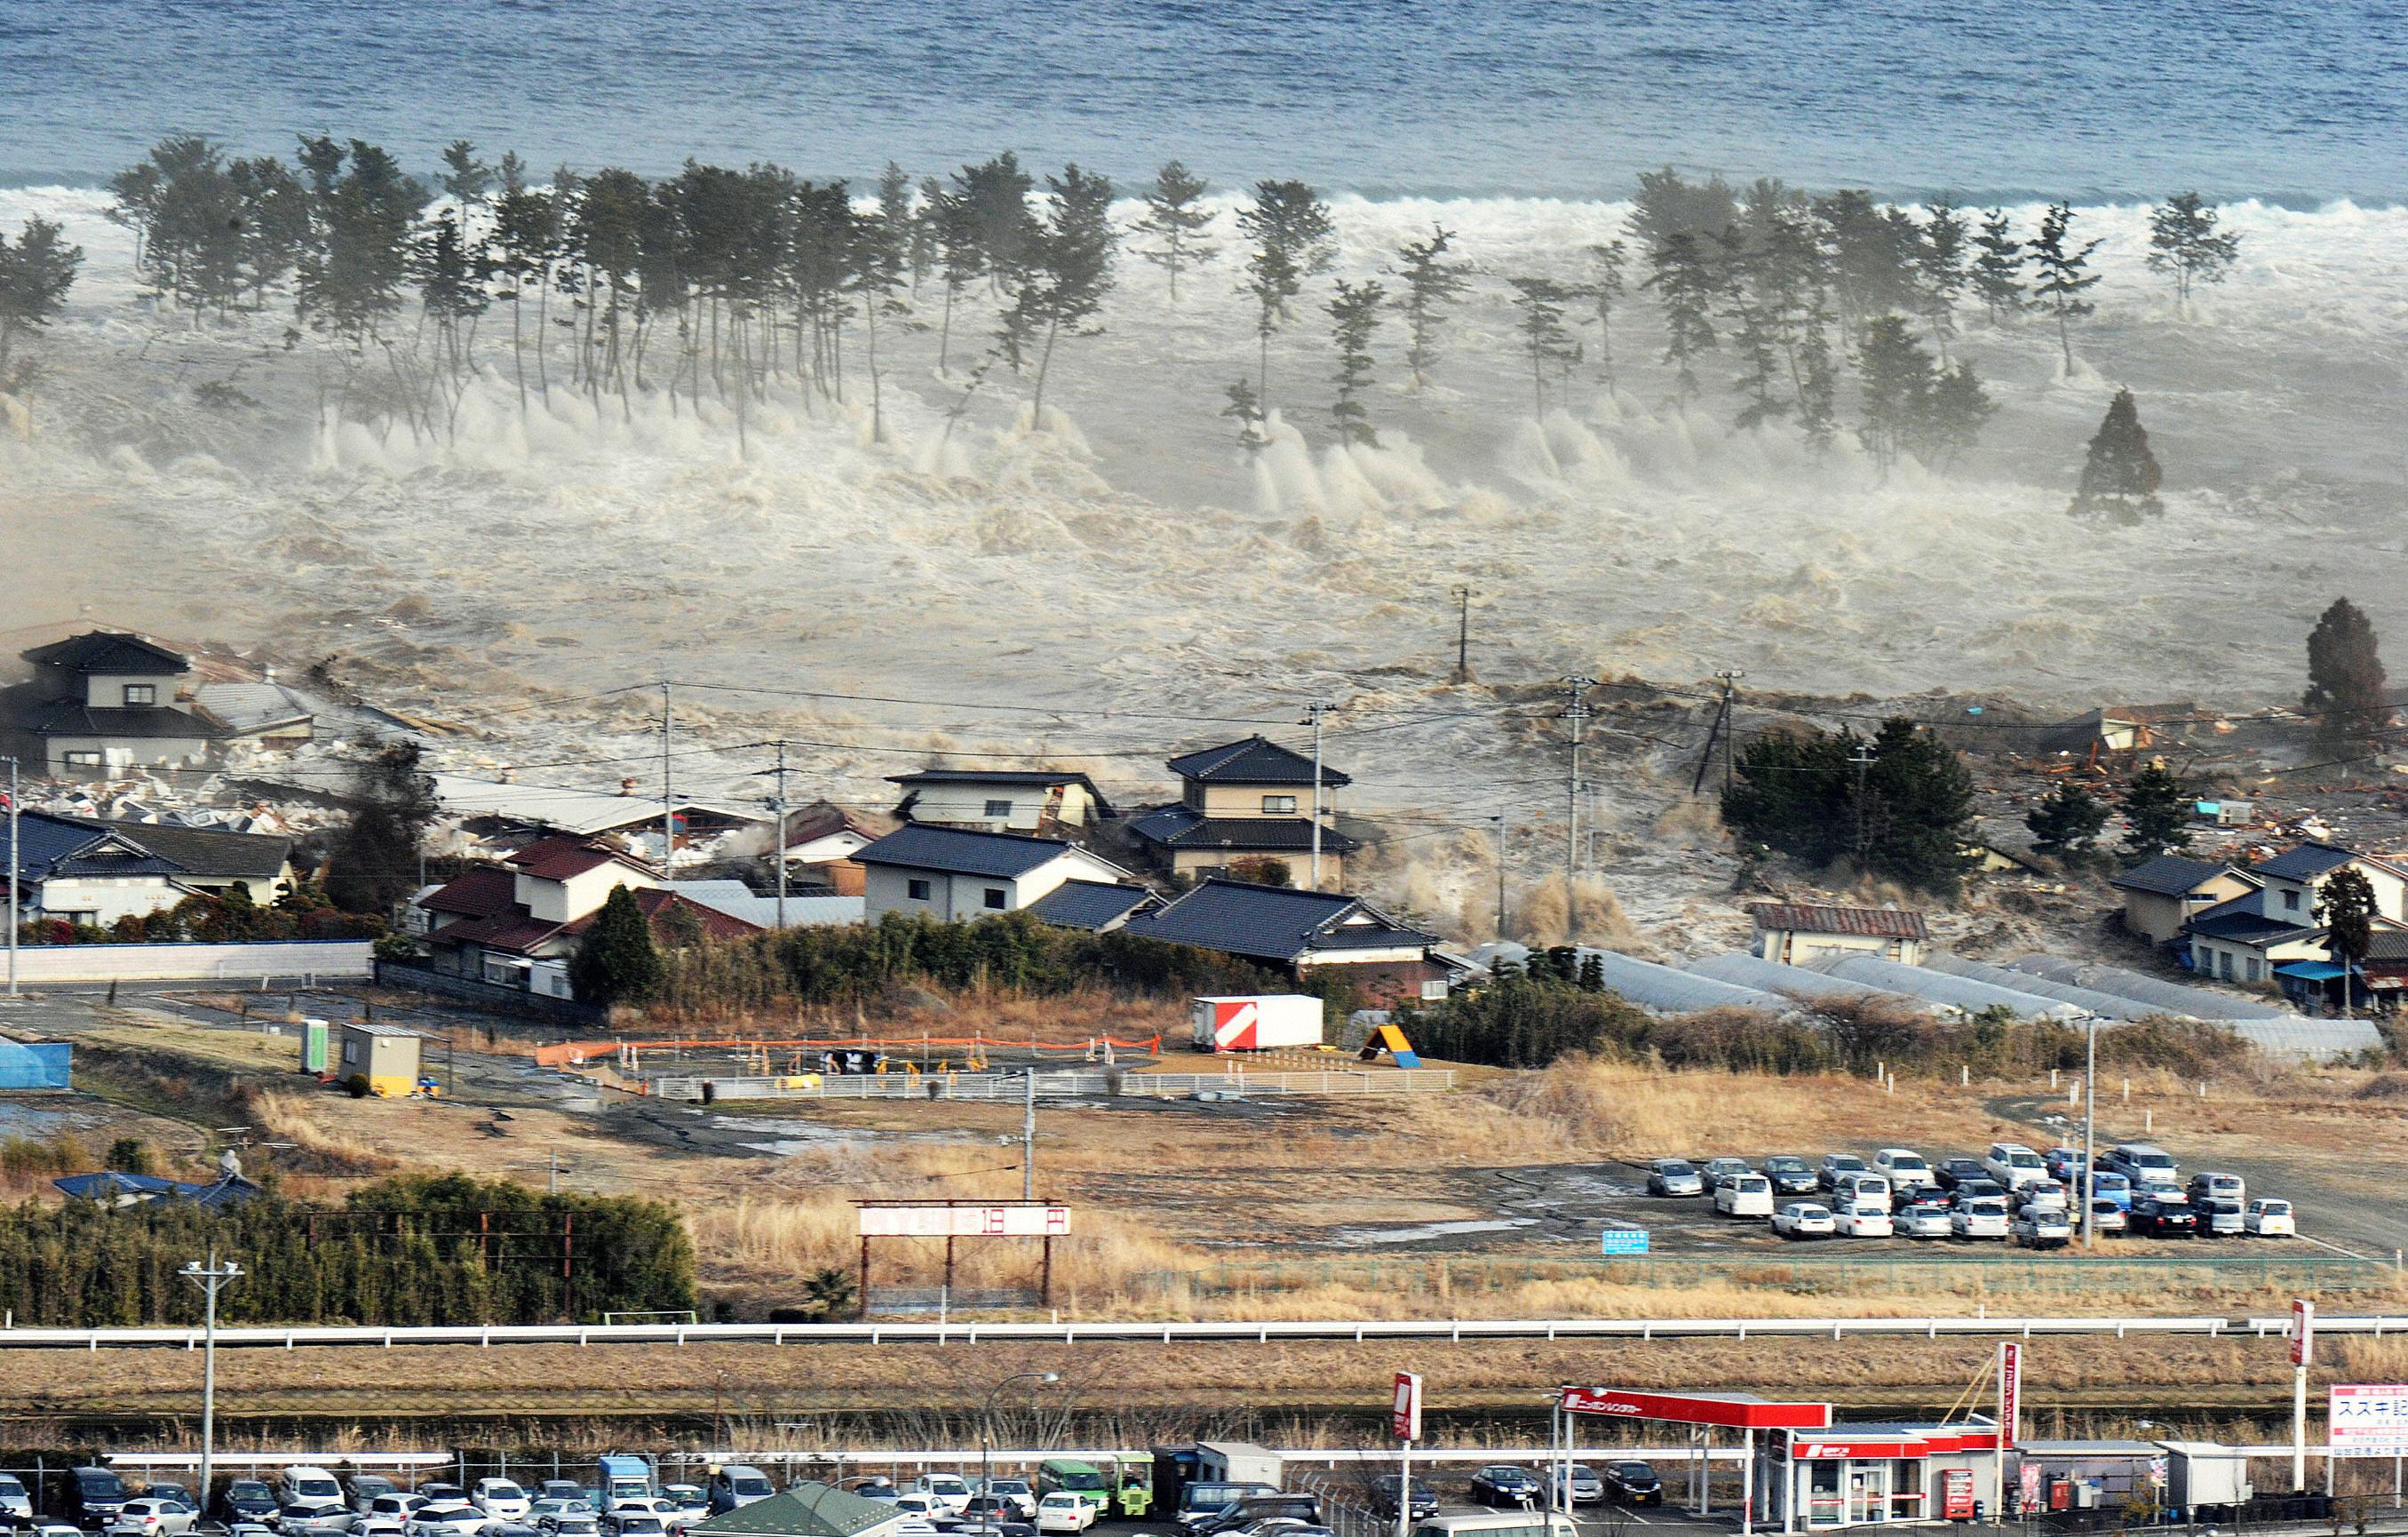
{"x":1405,"y":1414}
{"x":2303,"y":1331}
{"x":2011,"y":1392}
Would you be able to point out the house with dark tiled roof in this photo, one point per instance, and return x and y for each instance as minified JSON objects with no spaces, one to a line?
{"x":1796,"y":933}
{"x":1097,"y":906}
{"x":86,"y":871}
{"x":106,"y":700}
{"x":957,"y":875}
{"x":1305,"y":934}
{"x":2164,"y":893}
{"x":1044,"y":801}
{"x":2256,"y":938}
{"x":1248,"y":806}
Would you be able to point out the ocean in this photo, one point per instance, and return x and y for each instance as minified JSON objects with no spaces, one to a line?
{"x":2095,"y":100}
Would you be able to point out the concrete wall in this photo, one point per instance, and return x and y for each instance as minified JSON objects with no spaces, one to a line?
{"x":234,"y":964}
{"x":104,"y":898}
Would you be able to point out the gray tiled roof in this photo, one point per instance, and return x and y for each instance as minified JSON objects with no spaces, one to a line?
{"x":1088,"y":904}
{"x":956,"y":851}
{"x":2305,"y":861}
{"x":48,"y":846}
{"x":204,"y":851}
{"x":1177,"y":826}
{"x":110,"y":651}
{"x":2168,"y":875}
{"x":1256,"y":760}
{"x":1273,"y":923}
{"x":806,"y":1509}
{"x":73,"y":718}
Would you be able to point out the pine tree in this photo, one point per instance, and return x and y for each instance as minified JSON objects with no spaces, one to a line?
{"x":1294,"y":238}
{"x":2065,"y":274}
{"x":2120,"y":478}
{"x":2346,"y":906}
{"x":1689,"y":284}
{"x":1175,"y":217}
{"x":1246,"y":408}
{"x":2067,"y":823}
{"x":1942,"y":260}
{"x":1666,"y":205}
{"x":2186,"y":244}
{"x":1954,"y":415}
{"x":1074,"y":265}
{"x":36,"y":275}
{"x":1998,"y":267}
{"x":1894,"y":378}
{"x":527,"y":236}
{"x":1605,"y":288}
{"x":1354,"y":316}
{"x":466,"y":180}
{"x":1874,"y":257}
{"x":1904,"y":812}
{"x":881,"y":246}
{"x":275,"y":216}
{"x":2347,"y":696}
{"x":1431,"y":282}
{"x":994,"y":195}
{"x":1545,"y":342}
{"x":2156,"y":813}
{"x":617,"y":961}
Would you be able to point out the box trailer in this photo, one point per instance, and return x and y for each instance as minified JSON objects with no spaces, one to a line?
{"x":2202,"y":1475}
{"x":1238,"y":1461}
{"x":1257,"y":1022}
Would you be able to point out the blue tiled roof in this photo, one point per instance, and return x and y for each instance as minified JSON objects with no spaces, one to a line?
{"x":1273,"y":923}
{"x":50,"y":846}
{"x":1088,"y":904}
{"x":956,"y":851}
{"x":1256,"y":760}
{"x":2305,"y":862}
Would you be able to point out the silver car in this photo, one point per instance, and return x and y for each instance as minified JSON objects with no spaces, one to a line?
{"x":1674,"y":1177}
{"x":2221,"y":1217}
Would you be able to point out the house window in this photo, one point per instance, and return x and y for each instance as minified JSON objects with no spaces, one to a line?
{"x":998,"y":807}
{"x":2290,"y":901}
{"x":918,"y":890}
{"x":350,"y":1051}
{"x":83,"y":760}
{"x":1279,"y":805}
{"x":2250,"y":969}
{"x":996,"y":898}
{"x":1434,"y":990}
{"x":141,"y":693}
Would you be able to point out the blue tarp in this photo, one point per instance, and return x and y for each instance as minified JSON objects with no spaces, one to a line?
{"x":35,"y":1065}
{"x":2311,"y":970}
{"x":120,"y":1189}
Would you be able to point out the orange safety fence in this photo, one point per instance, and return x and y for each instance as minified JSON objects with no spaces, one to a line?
{"x":568,"y":1053}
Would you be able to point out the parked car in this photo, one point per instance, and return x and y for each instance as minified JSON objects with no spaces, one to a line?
{"x":1860,"y":1190}
{"x":1674,"y":1177}
{"x":1018,"y":1492}
{"x":14,"y":1500}
{"x":1922,"y":1219}
{"x":1744,"y":1196}
{"x":1503,"y":1484}
{"x":1985,"y":1188}
{"x":928,"y":1507}
{"x":1863,"y":1219}
{"x":1718,"y":1170}
{"x":2064,"y":1163}
{"x":501,"y":1498}
{"x":361,"y":1489}
{"x":543,"y":1512}
{"x":1791,"y":1176}
{"x":151,"y":1517}
{"x":315,"y":1520}
{"x":384,"y":1526}
{"x":948,"y":1489}
{"x":2106,"y":1217}
{"x":93,"y":1495}
{"x":651,"y":1504}
{"x":1954,"y":1170}
{"x":239,"y":1528}
{"x":441,"y":1493}
{"x":1063,"y":1510}
{"x":1204,"y":1501}
{"x":627,"y":1522}
{"x":2044,"y":1193}
{"x":1905,"y":1169}
{"x":985,"y":1508}
{"x":1828,"y":1172}
{"x":2268,"y":1219}
{"x":1979,"y":1216}
{"x":735,"y":1484}
{"x":1633,"y":1483}
{"x":1580,"y":1479}
{"x":2107,"y":1185}
{"x":246,"y":1500}
{"x":1804,"y":1219}
{"x":2042,"y":1227}
{"x":300,"y":1485}
{"x":1422,"y":1501}
{"x":2219,"y":1217}
{"x":2140,"y":1161}
{"x":161,"y":1488}
{"x":2014,"y":1165}
{"x":2163,"y":1214}
{"x":449,"y":1520}
{"x":2208,"y":1185}
{"x":565,"y":1489}
{"x":1013,"y":1528}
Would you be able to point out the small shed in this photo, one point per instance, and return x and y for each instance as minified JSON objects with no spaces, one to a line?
{"x":387,"y":1054}
{"x":1794,"y":933}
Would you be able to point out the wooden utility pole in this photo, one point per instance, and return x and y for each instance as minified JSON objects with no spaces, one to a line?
{"x":1574,"y":715}
{"x":1463,"y":634}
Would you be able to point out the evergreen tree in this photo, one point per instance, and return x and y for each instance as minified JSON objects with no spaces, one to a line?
{"x":2158,"y":809}
{"x":994,"y":197}
{"x":2186,"y":244}
{"x":1998,"y":267}
{"x":617,"y":961}
{"x":2346,"y":906}
{"x":275,"y":222}
{"x":1431,"y":282}
{"x":1607,"y":264}
{"x":1074,"y":265}
{"x":1667,"y":206}
{"x":2120,"y":478}
{"x":1546,"y":343}
{"x":374,"y":861}
{"x":958,"y":261}
{"x":466,"y":180}
{"x":1176,"y":218}
{"x":1294,"y":238}
{"x":2065,"y":274}
{"x":1895,"y":377}
{"x":1953,"y":416}
{"x":1354,"y":316}
{"x":355,"y":277}
{"x":1875,"y":252}
{"x":1689,"y":284}
{"x":526,"y":236}
{"x":1944,"y":263}
{"x":1246,"y":408}
{"x":2347,"y":694}
{"x":880,"y":250}
{"x":2067,"y":823}
{"x":1899,"y":805}
{"x":36,"y":274}
{"x":926,"y":238}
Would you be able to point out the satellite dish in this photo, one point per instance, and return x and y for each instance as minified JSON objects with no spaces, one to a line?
{"x":229,"y":1166}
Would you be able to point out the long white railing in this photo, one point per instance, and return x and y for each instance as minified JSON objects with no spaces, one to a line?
{"x":1081,"y":1085}
{"x":299,"y":1336}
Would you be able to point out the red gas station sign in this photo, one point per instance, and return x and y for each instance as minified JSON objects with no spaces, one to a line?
{"x":1739,"y":1413}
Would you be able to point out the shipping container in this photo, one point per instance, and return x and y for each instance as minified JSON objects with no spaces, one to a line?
{"x":1238,"y":1461}
{"x":1257,"y":1022}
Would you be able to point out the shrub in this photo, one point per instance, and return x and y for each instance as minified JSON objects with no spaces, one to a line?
{"x":358,"y":1085}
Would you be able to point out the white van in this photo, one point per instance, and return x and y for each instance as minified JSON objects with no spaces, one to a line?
{"x":1906,"y":1169}
{"x":301,"y":1486}
{"x":1500,"y":1523}
{"x":1860,"y":1190}
{"x":2015,"y":1166}
{"x":1744,"y":1196}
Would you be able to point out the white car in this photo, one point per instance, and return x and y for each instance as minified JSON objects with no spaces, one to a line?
{"x":1922,"y":1219}
{"x":445,"y":1521}
{"x":2043,"y":1193}
{"x":13,"y":1498}
{"x":1804,"y":1219}
{"x":1741,"y":1195}
{"x":2266,"y":1218}
{"x":2107,"y":1218}
{"x":1864,"y":1220}
{"x":149,"y":1517}
{"x":316,"y":1519}
{"x":1860,"y":1190}
{"x":623,"y":1522}
{"x":1905,"y":1169}
{"x":376,"y":1526}
{"x":948,"y":1489}
{"x":928,"y":1507}
{"x":2042,"y":1227}
{"x":554,"y":1506}
{"x":1063,"y":1510}
{"x":1983,"y":1216}
{"x":501,"y":1498}
{"x":691,"y":1502}
{"x":2015,"y":1166}
{"x":665,"y":1510}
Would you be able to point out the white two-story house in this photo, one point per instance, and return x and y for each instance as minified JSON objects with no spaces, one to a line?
{"x":2246,"y":939}
{"x":958,"y":875}
{"x":1046,"y":802}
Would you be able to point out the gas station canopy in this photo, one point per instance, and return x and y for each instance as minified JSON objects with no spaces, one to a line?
{"x":1735,"y":1411}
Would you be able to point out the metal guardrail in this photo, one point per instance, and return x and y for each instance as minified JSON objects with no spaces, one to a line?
{"x":1099,"y":1084}
{"x":1449,"y":1329}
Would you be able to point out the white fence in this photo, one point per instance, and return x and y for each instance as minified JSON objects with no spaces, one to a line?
{"x":249,"y":965}
{"x":1450,"y":1329}
{"x":1096,"y":1083}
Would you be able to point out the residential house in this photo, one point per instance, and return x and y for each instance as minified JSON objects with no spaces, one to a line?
{"x":1046,"y":802}
{"x":517,"y":924}
{"x":112,"y":1188}
{"x":1242,"y":805}
{"x":92,"y":873}
{"x":821,"y":843}
{"x":2251,"y":938}
{"x":803,"y":909}
{"x":1794,"y":933}
{"x":1307,"y":935}
{"x":501,"y":810}
{"x":949,"y":873}
{"x":105,"y":701}
{"x":1095,"y":906}
{"x":2163,"y":893}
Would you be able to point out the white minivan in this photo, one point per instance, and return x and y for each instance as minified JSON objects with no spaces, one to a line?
{"x":1860,"y":1190}
{"x":2015,"y":1166}
{"x":1500,"y":1523}
{"x":1744,"y":1196}
{"x":1906,"y":1169}
{"x":304,"y":1486}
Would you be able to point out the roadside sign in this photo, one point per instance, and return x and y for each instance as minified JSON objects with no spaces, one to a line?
{"x":2367,"y":1419}
{"x":1405,"y":1413}
{"x":2302,"y":1333}
{"x":2158,"y":1472}
{"x":2010,"y":1391}
{"x":1622,"y":1241}
{"x":2027,"y":1494}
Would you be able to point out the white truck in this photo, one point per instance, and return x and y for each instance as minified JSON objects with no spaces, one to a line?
{"x":1237,"y":1461}
{"x":1257,"y":1022}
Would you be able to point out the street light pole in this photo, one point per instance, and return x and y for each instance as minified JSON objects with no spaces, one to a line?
{"x":212,"y":1279}
{"x":12,"y":877}
{"x":2090,"y":1136}
{"x":986,"y":1430}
